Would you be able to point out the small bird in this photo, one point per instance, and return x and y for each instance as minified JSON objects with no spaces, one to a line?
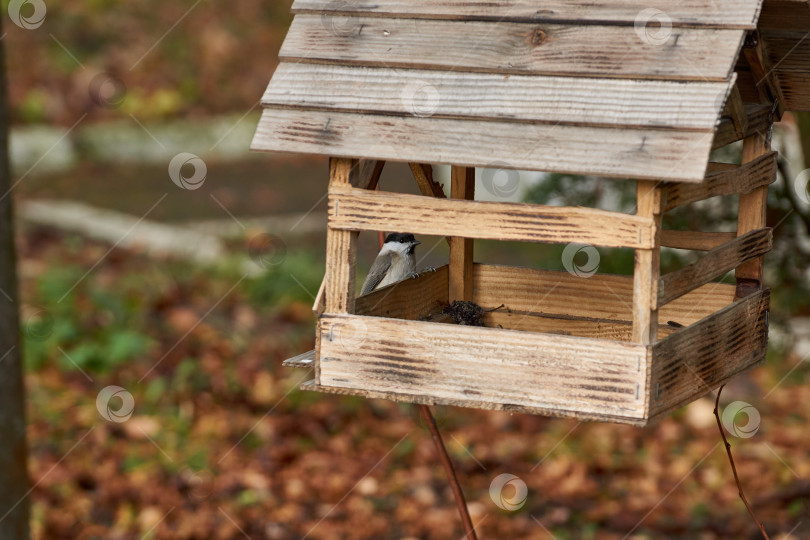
{"x":395,"y":262}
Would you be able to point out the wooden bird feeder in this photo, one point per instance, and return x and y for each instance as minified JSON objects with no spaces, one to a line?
{"x":631,"y":90}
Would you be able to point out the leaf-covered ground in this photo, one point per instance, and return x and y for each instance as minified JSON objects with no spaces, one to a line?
{"x":222,"y":445}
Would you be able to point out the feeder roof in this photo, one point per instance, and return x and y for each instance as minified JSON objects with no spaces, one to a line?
{"x":616,"y":88}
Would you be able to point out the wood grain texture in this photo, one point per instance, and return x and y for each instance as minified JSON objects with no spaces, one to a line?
{"x":407,"y":299}
{"x":303,"y":360}
{"x":696,"y":360}
{"x":360,"y":210}
{"x":751,"y":214}
{"x":696,"y":240}
{"x":568,"y":326}
{"x":423,"y":174}
{"x":759,"y":172}
{"x":608,"y":296}
{"x":341,"y":250}
{"x":514,"y":48}
{"x":760,"y":120}
{"x":718,"y":13}
{"x":714,"y":264}
{"x":647,"y":154}
{"x":572,"y":374}
{"x":462,"y":187}
{"x":647,"y":267}
{"x":520,"y":98}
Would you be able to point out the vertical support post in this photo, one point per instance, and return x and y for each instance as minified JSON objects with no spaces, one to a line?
{"x":341,"y":248}
{"x":462,"y":186}
{"x":751,"y":216}
{"x":647,"y":267}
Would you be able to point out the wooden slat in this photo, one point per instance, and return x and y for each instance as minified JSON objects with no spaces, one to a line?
{"x":341,"y":250}
{"x":714,"y":264}
{"x":460,"y":363}
{"x":698,"y":359}
{"x":743,"y":179}
{"x":760,"y":120}
{"x":717,"y":13}
{"x":303,"y":360}
{"x":423,"y":174}
{"x":511,"y":48}
{"x":647,"y":266}
{"x":796,"y":89}
{"x":783,"y":15}
{"x":618,"y":102}
{"x":571,"y":326}
{"x":696,"y":240}
{"x":408,"y":299}
{"x":608,"y":296}
{"x":360,"y":210}
{"x":462,"y":187}
{"x":646,"y":154}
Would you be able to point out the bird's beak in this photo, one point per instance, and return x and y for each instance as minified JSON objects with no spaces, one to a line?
{"x":416,"y":242}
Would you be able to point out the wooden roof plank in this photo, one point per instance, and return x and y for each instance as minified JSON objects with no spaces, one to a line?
{"x":637,"y":153}
{"x":513,"y":48}
{"x":717,"y":13}
{"x":520,"y":98}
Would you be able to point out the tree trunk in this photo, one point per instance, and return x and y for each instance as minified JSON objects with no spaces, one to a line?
{"x":14,"y":505}
{"x":804,"y":132}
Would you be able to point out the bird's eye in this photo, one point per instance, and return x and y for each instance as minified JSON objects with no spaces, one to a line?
{"x":401,"y":240}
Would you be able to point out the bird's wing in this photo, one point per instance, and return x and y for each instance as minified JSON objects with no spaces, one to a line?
{"x":377,"y":273}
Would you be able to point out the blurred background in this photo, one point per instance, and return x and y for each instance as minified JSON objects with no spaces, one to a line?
{"x":159,"y":256}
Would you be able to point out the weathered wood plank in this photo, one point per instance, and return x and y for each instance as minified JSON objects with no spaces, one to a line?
{"x":341,"y":250}
{"x":714,"y":264}
{"x":696,"y":240}
{"x":360,"y":210}
{"x":427,"y":186}
{"x":645,"y":154}
{"x":569,"y":326}
{"x":462,"y":187}
{"x":566,"y":373}
{"x":698,"y":359}
{"x":408,"y":299}
{"x":718,"y":13}
{"x":796,"y":89}
{"x":751,"y":215}
{"x":303,"y":360}
{"x":522,"y":98}
{"x":759,"y":172}
{"x":760,"y":120}
{"x":513,"y":48}
{"x":608,"y":296}
{"x":647,"y":266}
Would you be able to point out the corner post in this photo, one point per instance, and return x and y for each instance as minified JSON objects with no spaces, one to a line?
{"x":647,"y":269}
{"x":341,"y":247}
{"x":462,"y":186}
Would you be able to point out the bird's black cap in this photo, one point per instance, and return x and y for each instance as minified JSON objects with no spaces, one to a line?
{"x":402,"y":238}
